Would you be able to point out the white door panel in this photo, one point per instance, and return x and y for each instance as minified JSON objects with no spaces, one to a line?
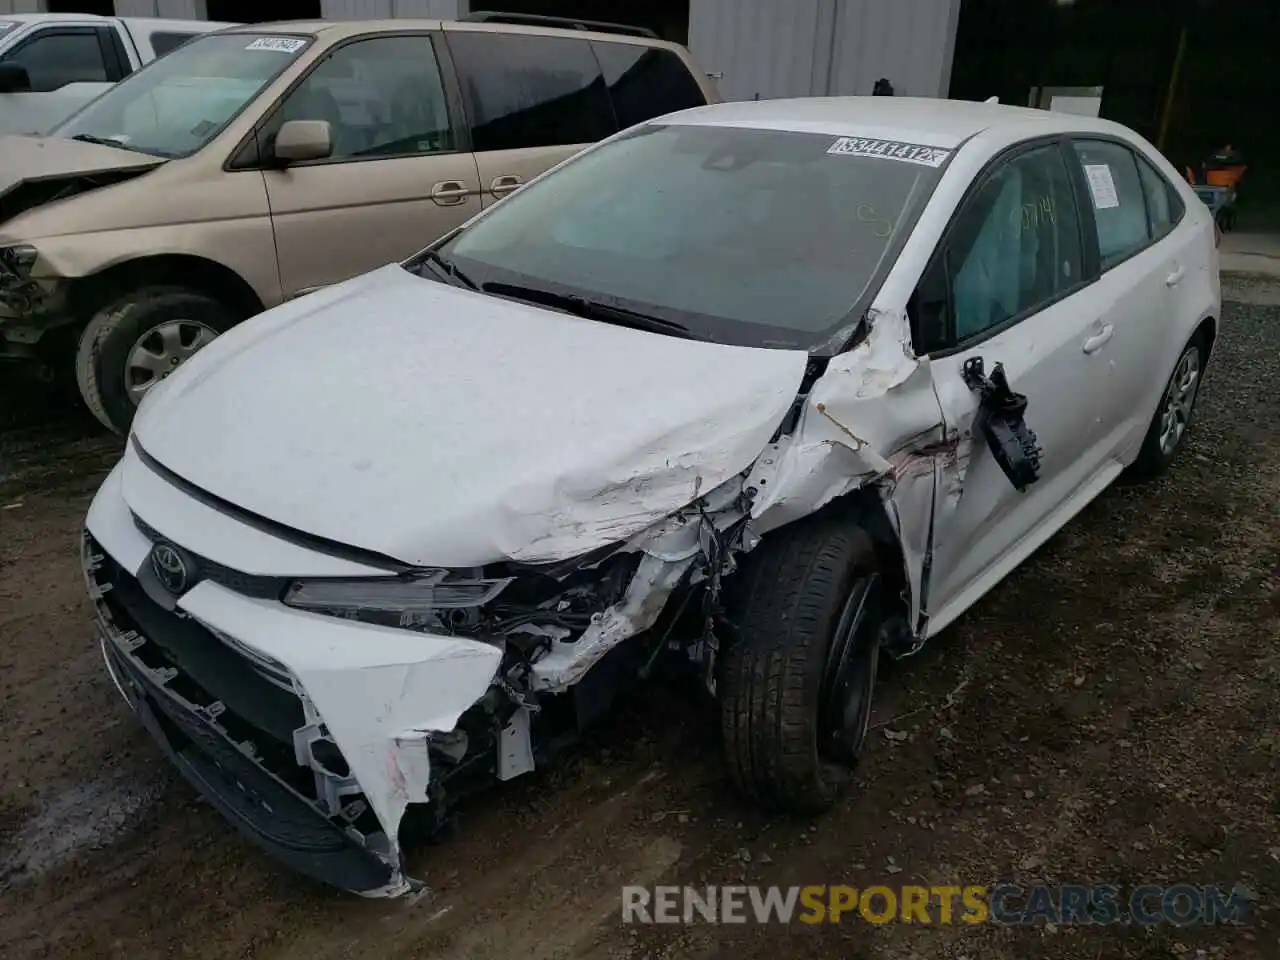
{"x":1044,"y":359}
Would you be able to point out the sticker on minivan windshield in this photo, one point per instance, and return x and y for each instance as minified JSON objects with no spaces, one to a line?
{"x":890,"y":150}
{"x":278,"y":44}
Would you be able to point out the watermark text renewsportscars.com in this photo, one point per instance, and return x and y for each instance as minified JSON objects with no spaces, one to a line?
{"x":1181,"y":904}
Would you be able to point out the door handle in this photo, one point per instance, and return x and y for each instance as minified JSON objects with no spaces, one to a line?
{"x":1096,"y":342}
{"x":1175,"y":278}
{"x":503,"y":185}
{"x":450,"y":193}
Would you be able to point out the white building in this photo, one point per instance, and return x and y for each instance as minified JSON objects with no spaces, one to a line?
{"x":764,"y":48}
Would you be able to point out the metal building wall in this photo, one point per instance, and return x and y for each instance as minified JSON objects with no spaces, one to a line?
{"x":798,"y":48}
{"x":369,"y":9}
{"x":21,"y":6}
{"x":176,"y":9}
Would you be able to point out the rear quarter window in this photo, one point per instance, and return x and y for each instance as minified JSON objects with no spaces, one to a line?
{"x":646,"y":82}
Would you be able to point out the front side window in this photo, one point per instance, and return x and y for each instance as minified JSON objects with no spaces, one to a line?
{"x":53,"y":60}
{"x":1115,"y":190}
{"x":1015,"y":245}
{"x":526,"y":91}
{"x":382,"y":97}
{"x":178,"y":103}
{"x":646,"y":82}
{"x":754,"y":237}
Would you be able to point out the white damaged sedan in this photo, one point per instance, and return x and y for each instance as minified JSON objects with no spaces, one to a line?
{"x":772,"y":388}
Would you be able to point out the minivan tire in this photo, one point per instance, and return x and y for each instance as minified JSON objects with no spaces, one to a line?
{"x":103,"y":357}
{"x":780,"y":681}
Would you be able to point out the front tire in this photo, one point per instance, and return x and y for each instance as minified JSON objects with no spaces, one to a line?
{"x":137,"y":341}
{"x":796,"y":687}
{"x":1172,"y":421}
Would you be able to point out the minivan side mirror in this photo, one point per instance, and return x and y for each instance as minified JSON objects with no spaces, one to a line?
{"x":14,"y":78}
{"x":301,"y":140}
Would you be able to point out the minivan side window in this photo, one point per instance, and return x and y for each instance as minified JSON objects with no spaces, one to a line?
{"x":382,"y":97}
{"x":524,"y":91}
{"x":163,"y":42}
{"x":1119,"y":205}
{"x":1013,"y":248}
{"x":646,"y":82}
{"x":54,"y":59}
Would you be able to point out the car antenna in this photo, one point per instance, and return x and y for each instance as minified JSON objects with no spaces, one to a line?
{"x":991,"y":100}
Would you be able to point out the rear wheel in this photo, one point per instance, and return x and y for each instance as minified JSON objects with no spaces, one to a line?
{"x":136,"y":342}
{"x":1172,"y":421}
{"x":797,"y":682}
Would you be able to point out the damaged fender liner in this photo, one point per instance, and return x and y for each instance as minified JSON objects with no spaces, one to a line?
{"x":256,"y":803}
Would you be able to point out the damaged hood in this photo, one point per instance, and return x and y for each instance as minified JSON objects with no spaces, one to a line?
{"x":31,"y":168}
{"x":443,"y":427}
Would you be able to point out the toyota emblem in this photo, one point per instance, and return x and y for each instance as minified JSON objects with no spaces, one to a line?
{"x":170,"y":568}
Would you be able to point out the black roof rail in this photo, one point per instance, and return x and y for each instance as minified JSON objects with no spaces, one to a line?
{"x":536,"y":20}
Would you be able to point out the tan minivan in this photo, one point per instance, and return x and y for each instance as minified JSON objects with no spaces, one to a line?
{"x":258,"y":163}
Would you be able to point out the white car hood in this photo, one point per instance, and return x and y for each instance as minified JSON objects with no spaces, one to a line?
{"x":442,"y":427}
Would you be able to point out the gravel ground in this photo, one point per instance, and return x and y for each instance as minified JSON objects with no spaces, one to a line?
{"x":1107,"y":715}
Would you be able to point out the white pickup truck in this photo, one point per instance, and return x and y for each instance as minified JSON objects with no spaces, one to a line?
{"x":52,"y":64}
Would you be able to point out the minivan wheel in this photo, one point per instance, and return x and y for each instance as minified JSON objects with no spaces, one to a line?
{"x":1172,"y":421}
{"x":797,"y":681}
{"x":136,"y":342}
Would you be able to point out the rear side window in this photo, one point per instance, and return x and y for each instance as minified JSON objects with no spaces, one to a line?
{"x":646,"y":82}
{"x":1164,"y":206}
{"x":162,"y":43}
{"x":1119,"y":204}
{"x":525,"y":91}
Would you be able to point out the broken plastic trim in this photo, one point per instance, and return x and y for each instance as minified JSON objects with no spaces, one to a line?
{"x":1000,"y":422}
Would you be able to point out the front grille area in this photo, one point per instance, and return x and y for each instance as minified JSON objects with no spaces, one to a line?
{"x":247,"y":584}
{"x":228,"y":724}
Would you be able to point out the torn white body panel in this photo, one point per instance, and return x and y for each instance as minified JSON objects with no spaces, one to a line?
{"x":871,"y":418}
{"x":386,"y":423}
{"x":379,"y":693}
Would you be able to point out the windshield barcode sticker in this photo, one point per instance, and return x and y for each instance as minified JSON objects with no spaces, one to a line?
{"x":278,"y":44}
{"x":890,"y":150}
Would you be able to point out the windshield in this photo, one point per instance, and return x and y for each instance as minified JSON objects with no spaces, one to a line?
{"x":175,"y":105}
{"x":746,"y":236}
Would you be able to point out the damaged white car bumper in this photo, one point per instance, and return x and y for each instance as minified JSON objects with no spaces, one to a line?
{"x":308,"y":732}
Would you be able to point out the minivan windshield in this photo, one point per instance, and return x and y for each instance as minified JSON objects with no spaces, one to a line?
{"x":175,"y":105}
{"x":746,"y":236}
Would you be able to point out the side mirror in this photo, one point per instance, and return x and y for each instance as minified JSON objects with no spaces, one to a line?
{"x":301,"y":140}
{"x":14,"y":78}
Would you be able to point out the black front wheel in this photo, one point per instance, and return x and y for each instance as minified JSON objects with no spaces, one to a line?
{"x":797,"y":682}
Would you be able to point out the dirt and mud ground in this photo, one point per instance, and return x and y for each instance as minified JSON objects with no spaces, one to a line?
{"x":1107,"y":715}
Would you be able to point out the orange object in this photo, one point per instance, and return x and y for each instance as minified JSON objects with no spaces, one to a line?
{"x":1225,"y":177}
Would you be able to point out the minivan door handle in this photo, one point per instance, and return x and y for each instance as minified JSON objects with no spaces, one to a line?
{"x":1175,"y":278}
{"x":503,"y":185}
{"x":1096,"y":342}
{"x":450,"y":193}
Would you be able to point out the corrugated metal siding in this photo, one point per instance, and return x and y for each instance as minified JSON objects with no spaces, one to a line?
{"x":21,"y":6}
{"x":172,"y":9}
{"x":372,"y":9}
{"x":796,"y":48}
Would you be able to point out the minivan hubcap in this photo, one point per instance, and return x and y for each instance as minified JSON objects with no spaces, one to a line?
{"x":1179,"y":400}
{"x":160,"y":351}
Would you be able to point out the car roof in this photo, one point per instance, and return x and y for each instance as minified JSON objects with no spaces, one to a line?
{"x":332,"y":30}
{"x":932,"y":121}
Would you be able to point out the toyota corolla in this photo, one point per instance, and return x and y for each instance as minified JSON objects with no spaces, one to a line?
{"x":769,"y":389}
